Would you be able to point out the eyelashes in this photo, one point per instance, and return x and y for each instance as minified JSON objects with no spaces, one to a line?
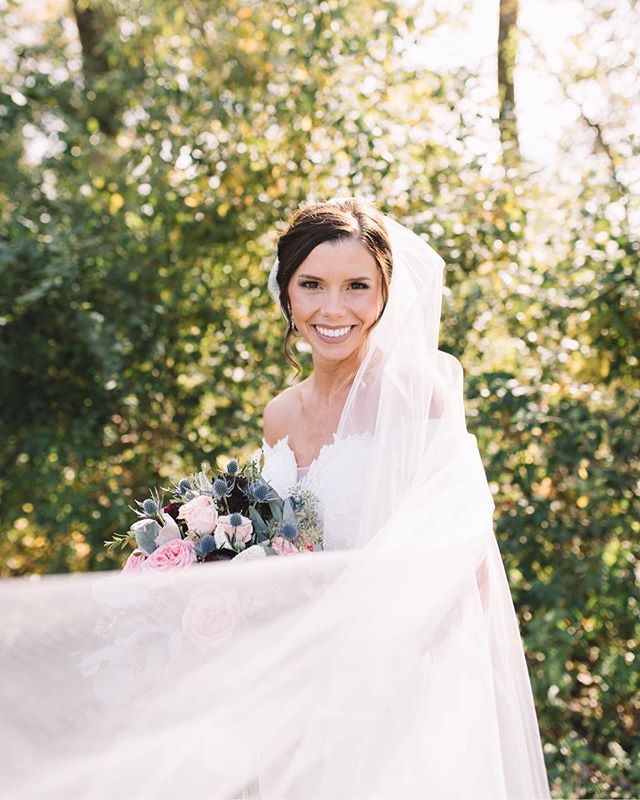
{"x":314,"y":284}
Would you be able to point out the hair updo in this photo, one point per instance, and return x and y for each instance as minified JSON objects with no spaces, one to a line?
{"x":329,"y":222}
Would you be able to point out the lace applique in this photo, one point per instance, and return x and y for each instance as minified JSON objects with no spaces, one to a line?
{"x":335,"y":476}
{"x":279,"y":468}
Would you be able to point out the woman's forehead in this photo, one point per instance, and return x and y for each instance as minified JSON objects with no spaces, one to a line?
{"x":340,"y":257}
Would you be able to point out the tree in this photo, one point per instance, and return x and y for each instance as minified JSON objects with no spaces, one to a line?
{"x":507,"y":54}
{"x":93,"y":20}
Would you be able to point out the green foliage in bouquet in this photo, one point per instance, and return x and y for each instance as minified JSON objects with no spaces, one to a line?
{"x":223,"y":514}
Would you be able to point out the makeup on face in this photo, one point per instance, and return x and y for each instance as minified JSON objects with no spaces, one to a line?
{"x":334,"y":295}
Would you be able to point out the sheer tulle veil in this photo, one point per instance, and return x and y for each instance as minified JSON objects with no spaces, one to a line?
{"x":391,"y":670}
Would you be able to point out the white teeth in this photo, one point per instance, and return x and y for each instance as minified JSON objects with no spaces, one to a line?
{"x":334,"y":334}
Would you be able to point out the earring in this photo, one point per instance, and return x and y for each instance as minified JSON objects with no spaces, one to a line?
{"x":292,"y":324}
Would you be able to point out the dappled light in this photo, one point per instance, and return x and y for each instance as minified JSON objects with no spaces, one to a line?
{"x":151,"y":152}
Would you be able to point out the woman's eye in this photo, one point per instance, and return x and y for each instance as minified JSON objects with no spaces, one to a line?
{"x":314,"y":285}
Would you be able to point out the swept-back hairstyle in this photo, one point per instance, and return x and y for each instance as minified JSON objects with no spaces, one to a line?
{"x":329,"y":222}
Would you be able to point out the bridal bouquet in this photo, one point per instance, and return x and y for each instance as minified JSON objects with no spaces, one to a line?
{"x":211,"y":517}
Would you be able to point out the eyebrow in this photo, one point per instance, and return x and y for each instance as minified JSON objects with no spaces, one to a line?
{"x":314,"y":278}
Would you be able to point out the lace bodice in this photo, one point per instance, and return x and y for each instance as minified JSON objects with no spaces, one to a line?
{"x":335,"y":476}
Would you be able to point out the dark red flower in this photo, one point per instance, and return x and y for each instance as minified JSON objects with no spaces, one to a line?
{"x":172,"y":510}
{"x":222,"y":554}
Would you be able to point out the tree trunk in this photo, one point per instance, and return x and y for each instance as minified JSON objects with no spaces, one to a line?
{"x":507,"y":51}
{"x":93,"y":19}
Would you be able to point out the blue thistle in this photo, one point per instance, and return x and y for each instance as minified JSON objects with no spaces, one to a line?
{"x":235,"y":520}
{"x":150,"y":507}
{"x":296,"y":503}
{"x":289,"y":531}
{"x":221,"y":487}
{"x":207,"y":545}
{"x":233,"y":467}
{"x":261,"y":492}
{"x":184,"y":485}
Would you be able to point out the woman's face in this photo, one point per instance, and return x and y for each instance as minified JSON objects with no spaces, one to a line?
{"x":336,"y":296}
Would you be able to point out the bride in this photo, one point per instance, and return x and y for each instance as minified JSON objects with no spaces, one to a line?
{"x":331,"y":279}
{"x":390,"y":665}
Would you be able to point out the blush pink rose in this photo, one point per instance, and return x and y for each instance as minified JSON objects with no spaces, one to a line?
{"x":242,"y":532}
{"x":283,"y":547}
{"x":200,"y":514}
{"x":135,"y":562}
{"x":209,"y":620}
{"x":172,"y":554}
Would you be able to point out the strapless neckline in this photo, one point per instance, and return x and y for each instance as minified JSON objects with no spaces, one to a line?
{"x":336,"y":476}
{"x":284,"y":441}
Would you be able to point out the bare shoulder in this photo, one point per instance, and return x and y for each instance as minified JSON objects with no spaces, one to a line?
{"x":278,"y":415}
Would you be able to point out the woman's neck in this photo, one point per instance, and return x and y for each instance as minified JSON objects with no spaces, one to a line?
{"x":330,"y":382}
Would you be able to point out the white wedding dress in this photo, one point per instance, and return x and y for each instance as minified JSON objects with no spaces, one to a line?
{"x":440,"y":693}
{"x":388,"y":666}
{"x":336,"y":477}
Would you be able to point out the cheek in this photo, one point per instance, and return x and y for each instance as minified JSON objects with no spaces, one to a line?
{"x":367,"y":306}
{"x":301,"y":303}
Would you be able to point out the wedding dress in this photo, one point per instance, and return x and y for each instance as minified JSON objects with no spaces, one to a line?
{"x":336,"y":477}
{"x":389,"y":665}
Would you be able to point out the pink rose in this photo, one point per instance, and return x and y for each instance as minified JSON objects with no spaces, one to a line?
{"x":209,"y":620}
{"x":242,"y":532}
{"x":283,"y":547}
{"x":175,"y":553}
{"x":135,"y":561}
{"x":200,"y":514}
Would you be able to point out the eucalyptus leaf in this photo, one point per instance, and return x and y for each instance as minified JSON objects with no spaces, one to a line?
{"x":259,"y":525}
{"x":288,"y":514}
{"x":276,"y":509}
{"x":146,"y":532}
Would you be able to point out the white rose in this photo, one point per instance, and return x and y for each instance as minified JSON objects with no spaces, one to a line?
{"x":169,"y":531}
{"x":221,"y":538}
{"x":251,"y":553}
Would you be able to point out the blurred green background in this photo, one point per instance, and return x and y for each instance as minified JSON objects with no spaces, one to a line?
{"x":150,"y":153}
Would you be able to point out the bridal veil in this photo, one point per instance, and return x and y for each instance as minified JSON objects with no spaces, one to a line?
{"x":394,"y":669}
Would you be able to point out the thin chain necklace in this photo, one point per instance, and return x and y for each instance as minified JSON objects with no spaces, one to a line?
{"x":317,"y":424}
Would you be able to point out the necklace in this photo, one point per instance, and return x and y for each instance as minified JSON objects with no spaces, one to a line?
{"x":318,"y":423}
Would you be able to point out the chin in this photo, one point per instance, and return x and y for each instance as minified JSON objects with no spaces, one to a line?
{"x":337,"y":353}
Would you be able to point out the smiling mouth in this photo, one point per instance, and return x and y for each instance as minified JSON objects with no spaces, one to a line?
{"x":333,"y":334}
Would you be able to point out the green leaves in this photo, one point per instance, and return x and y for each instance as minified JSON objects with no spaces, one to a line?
{"x":259,"y":525}
{"x":139,"y":209}
{"x":120,"y":540}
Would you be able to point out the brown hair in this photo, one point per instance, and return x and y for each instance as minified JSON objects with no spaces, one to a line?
{"x":328,"y":222}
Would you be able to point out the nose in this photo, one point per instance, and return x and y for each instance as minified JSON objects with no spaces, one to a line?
{"x":333,"y":303}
